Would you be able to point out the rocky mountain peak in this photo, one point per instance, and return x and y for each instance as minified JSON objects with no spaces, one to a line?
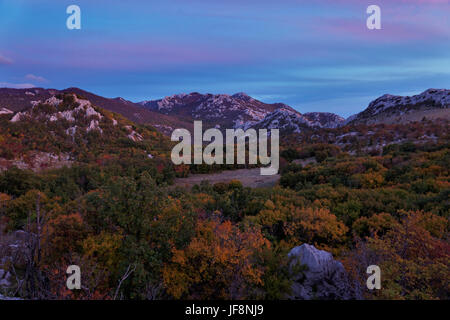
{"x":216,"y":109}
{"x":324,"y":119}
{"x":289,"y":120}
{"x":432,"y":103}
{"x":242,"y":96}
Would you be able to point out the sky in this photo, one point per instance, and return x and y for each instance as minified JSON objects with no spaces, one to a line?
{"x":312,"y":55}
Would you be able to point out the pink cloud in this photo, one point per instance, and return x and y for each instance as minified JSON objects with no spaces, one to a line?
{"x":33,"y":77}
{"x":5,"y":60}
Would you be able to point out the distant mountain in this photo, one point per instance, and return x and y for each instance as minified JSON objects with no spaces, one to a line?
{"x":324,"y":119}
{"x":240,"y":111}
{"x":291,"y":121}
{"x":389,"y":109}
{"x":287,"y":120}
{"x":216,"y":110}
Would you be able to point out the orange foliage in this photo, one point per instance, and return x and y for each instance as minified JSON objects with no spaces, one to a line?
{"x":63,"y":234}
{"x":217,"y":264}
{"x":414,"y":263}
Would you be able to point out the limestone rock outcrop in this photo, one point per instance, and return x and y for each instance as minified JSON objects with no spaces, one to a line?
{"x":324,"y":277}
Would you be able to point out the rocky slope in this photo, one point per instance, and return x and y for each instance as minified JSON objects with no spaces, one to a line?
{"x":430,"y":104}
{"x":290,"y":121}
{"x":324,"y":119}
{"x":241,"y":111}
{"x":66,"y":128}
{"x":287,"y":120}
{"x":217,"y":110}
{"x":22,"y":99}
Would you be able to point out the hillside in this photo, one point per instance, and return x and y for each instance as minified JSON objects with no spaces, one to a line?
{"x":324,"y":119}
{"x":290,"y":121}
{"x":22,"y":99}
{"x":66,"y":128}
{"x":388,"y":109}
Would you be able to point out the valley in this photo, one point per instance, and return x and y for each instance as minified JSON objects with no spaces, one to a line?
{"x":248,"y":177}
{"x":89,"y":180}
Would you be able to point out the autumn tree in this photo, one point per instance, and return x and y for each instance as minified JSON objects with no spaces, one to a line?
{"x":218,"y":263}
{"x":414,"y":258}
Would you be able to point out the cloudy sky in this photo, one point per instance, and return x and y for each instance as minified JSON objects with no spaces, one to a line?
{"x":313,"y":55}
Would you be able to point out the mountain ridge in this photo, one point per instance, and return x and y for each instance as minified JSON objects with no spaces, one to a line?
{"x":240,"y":110}
{"x":431,"y":103}
{"x":221,"y":110}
